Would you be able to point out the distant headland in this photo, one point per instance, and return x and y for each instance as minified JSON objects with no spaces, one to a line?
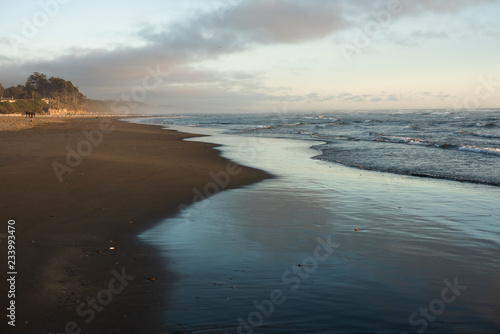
{"x":57,"y":96}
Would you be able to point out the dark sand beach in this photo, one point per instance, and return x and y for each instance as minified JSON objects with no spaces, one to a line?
{"x":80,"y":267}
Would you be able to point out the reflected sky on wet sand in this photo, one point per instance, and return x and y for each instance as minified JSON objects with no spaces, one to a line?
{"x":324,"y":248}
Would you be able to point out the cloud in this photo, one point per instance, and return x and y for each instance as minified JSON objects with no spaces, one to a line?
{"x":392,"y":98}
{"x":415,"y":38}
{"x":413,"y":7}
{"x":315,"y":97}
{"x":281,"y":21}
{"x":419,"y":34}
{"x":5,"y":59}
{"x":355,"y":98}
{"x":177,"y":48}
{"x":204,"y":36}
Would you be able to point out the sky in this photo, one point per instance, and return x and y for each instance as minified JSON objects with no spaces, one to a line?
{"x":259,"y":55}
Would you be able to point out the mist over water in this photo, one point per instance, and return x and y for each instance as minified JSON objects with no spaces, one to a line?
{"x":248,"y":261}
{"x":457,"y":145}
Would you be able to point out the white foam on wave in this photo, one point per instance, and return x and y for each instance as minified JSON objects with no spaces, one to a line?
{"x":477,"y":149}
{"x":406,"y":140}
{"x":294,"y":124}
{"x":482,"y":125}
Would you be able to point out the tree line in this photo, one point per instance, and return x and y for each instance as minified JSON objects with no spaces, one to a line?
{"x":38,"y":86}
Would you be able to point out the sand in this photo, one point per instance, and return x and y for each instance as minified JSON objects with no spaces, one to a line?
{"x":80,"y":267}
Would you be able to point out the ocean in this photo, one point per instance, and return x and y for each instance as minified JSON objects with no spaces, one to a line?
{"x":455,"y":145}
{"x":375,"y":222}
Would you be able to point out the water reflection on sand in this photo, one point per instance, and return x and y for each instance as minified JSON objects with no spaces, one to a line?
{"x":246,"y":258}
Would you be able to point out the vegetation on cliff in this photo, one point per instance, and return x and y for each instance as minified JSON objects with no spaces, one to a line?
{"x":40,"y":93}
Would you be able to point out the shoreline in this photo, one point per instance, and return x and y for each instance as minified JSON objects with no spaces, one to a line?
{"x":77,"y":239}
{"x":396,"y":234}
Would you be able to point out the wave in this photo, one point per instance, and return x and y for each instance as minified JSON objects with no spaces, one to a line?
{"x":328,"y":117}
{"x":403,"y":140}
{"x":325,"y":125}
{"x":485,"y":125}
{"x":421,"y":142}
{"x":407,"y":172}
{"x":317,"y":135}
{"x":479,"y":134}
{"x":486,"y":135}
{"x":294,"y":124}
{"x":301,"y":132}
{"x":477,"y":149}
{"x":321,"y":117}
{"x":268,"y":127}
{"x":445,"y":145}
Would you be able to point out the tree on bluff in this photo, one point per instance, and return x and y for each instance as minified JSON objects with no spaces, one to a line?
{"x":17,"y":92}
{"x":56,"y":88}
{"x":65,"y":91}
{"x":38,"y":86}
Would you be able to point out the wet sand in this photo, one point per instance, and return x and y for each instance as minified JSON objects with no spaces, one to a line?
{"x":324,"y":248}
{"x":79,"y":263}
